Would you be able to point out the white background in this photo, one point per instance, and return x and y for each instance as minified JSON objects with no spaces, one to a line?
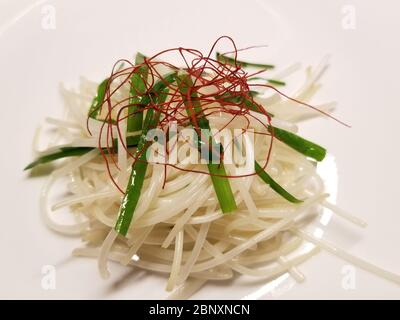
{"x":90,"y":36}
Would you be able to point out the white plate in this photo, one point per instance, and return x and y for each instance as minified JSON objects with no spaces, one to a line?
{"x":88,"y":37}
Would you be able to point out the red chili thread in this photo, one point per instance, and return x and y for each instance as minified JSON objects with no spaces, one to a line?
{"x":227,"y":79}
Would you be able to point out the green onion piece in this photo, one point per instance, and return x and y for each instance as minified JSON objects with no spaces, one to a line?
{"x":97,"y":101}
{"x":222,"y":187}
{"x":138,"y":88}
{"x":240,"y":99}
{"x":139,"y":58}
{"x":136,"y":179}
{"x":217,"y":170}
{"x":224,"y":59}
{"x":139,"y":167}
{"x":274,"y":185}
{"x":276,"y":82}
{"x":254,"y":107}
{"x":65,"y":152}
{"x":306,"y":147}
{"x":61,"y":153}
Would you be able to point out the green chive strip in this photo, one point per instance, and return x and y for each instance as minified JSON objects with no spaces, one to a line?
{"x":274,"y":185}
{"x":63,"y":152}
{"x":97,"y":101}
{"x":217,"y":170}
{"x":305,"y":147}
{"x":138,"y":89}
{"x":136,"y":179}
{"x":276,"y":82}
{"x":237,"y":99}
{"x":66,"y":152}
{"x":228,"y":60}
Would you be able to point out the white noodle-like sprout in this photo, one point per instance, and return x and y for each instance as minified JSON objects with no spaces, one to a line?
{"x":176,"y":264}
{"x":361,"y":263}
{"x":178,"y":228}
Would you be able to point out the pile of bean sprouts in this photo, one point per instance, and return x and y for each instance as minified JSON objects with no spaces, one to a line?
{"x":178,"y":229}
